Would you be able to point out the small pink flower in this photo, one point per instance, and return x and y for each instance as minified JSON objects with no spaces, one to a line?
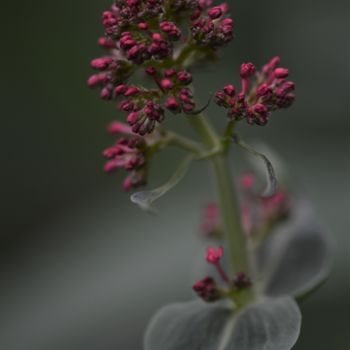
{"x":214,"y":255}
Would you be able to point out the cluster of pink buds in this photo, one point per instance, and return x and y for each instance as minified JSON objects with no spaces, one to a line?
{"x":255,"y":102}
{"x":137,"y":31}
{"x":137,"y":28}
{"x":145,"y":29}
{"x":112,"y":73}
{"x":259,"y":213}
{"x":128,"y":153}
{"x":142,"y":106}
{"x":211,"y":25}
{"x":173,"y":85}
{"x":146,"y":107}
{"x":208,"y":290}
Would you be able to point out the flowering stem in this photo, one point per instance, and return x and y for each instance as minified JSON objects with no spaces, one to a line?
{"x":229,"y":207}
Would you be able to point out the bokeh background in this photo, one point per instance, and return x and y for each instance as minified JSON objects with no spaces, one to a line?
{"x":81,"y":267}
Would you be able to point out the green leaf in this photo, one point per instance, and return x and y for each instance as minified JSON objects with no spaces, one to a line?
{"x":272,"y":183}
{"x":145,"y":199}
{"x":296,"y":258}
{"x":269,"y":324}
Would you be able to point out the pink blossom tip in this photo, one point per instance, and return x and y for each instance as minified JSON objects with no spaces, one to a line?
{"x":247,"y":70}
{"x":214,"y":255}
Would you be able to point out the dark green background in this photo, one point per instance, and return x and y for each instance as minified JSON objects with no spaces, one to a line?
{"x":81,"y":268}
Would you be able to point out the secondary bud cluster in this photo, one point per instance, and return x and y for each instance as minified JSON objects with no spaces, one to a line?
{"x":173,"y":85}
{"x":142,"y":106}
{"x":128,"y":153}
{"x":139,"y":31}
{"x":270,"y":91}
{"x":257,"y":213}
{"x":146,"y":107}
{"x":260,"y":213}
{"x":147,"y":29}
{"x":208,"y":290}
{"x":211,"y":25}
{"x":112,"y":72}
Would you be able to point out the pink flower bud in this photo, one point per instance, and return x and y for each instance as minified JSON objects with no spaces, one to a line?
{"x":263,"y":90}
{"x":259,"y":108}
{"x":106,"y":94}
{"x":128,"y":184}
{"x":143,"y":26}
{"x":110,"y":166}
{"x":215,"y":12}
{"x":132,"y":3}
{"x":224,"y":7}
{"x":168,"y":73}
{"x":247,"y":70}
{"x":118,"y":128}
{"x":281,"y":73}
{"x":126,"y":106}
{"x":97,"y":80}
{"x":230,"y":90}
{"x":184,"y":77}
{"x":131,"y":91}
{"x":156,"y":37}
{"x":151,"y":71}
{"x":106,"y":43}
{"x":166,"y":84}
{"x":120,"y":89}
{"x":133,"y":52}
{"x":171,"y":104}
{"x":207,"y":289}
{"x":214,"y":255}
{"x":101,"y":63}
{"x":133,"y":118}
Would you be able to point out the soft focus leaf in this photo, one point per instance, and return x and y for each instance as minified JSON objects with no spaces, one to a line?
{"x":296,"y":258}
{"x":272,"y":183}
{"x":145,"y":199}
{"x":270,"y":324}
{"x":187,"y":326}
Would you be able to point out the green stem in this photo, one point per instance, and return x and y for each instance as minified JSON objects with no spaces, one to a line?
{"x":229,"y":207}
{"x":184,"y":143}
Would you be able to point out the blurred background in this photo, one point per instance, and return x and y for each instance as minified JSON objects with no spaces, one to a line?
{"x":81,"y":267}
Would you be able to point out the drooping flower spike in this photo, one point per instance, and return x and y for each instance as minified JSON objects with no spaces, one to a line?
{"x":129,"y":153}
{"x":256,"y":100}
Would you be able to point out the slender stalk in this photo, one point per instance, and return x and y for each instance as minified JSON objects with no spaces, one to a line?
{"x":184,"y":142}
{"x":229,"y":207}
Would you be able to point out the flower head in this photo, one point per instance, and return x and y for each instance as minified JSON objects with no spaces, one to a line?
{"x":271,"y":91}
